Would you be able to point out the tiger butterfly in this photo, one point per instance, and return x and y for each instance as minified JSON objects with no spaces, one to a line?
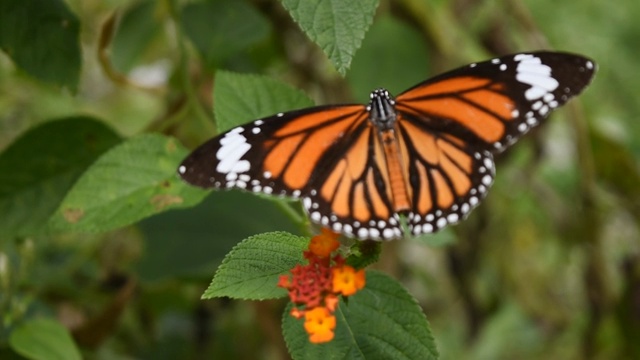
{"x":426,"y":154}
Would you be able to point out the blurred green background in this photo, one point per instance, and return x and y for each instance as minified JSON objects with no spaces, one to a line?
{"x":547,"y":267}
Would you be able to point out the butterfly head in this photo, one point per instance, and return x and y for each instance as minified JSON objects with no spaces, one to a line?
{"x":381,"y":109}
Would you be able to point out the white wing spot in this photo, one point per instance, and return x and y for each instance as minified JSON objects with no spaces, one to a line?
{"x":533,"y":72}
{"x":487,"y":180}
{"x":465,"y":208}
{"x":182,"y":169}
{"x":234,"y":147}
{"x":522,"y":127}
{"x":348,"y":229}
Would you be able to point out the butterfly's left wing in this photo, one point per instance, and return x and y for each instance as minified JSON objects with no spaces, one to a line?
{"x":452,"y":123}
{"x":493,"y":103}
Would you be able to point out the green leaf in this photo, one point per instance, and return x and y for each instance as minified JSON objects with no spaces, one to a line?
{"x":44,"y":339}
{"x":252,"y":269}
{"x":337,"y":26}
{"x":130,"y":182}
{"x":210,"y":229}
{"x":136,"y":30}
{"x":239,"y":98}
{"x":42,"y":38}
{"x":381,"y":321}
{"x":222,"y":28}
{"x":397,"y":65}
{"x":39,"y":168}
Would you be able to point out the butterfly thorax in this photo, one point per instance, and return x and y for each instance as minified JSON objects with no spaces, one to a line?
{"x":382,"y":112}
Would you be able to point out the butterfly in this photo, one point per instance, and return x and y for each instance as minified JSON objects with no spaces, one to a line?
{"x":425,"y":155}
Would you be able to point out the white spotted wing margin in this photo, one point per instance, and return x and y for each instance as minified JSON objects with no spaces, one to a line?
{"x":537,"y":82}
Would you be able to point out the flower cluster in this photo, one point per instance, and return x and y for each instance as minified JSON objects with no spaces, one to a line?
{"x":314,"y":288}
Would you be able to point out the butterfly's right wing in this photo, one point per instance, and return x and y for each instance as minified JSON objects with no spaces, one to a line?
{"x":327,"y":156}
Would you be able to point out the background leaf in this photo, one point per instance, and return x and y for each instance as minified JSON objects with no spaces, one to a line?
{"x":137,"y":27}
{"x":130,"y":182}
{"x":241,"y":98}
{"x":381,"y":321}
{"x":252,"y":269}
{"x":398,"y":65}
{"x":338,"y":27}
{"x":44,"y":339}
{"x":193,"y":242}
{"x":38,"y":169}
{"x":208,"y":25}
{"x":42,"y":37}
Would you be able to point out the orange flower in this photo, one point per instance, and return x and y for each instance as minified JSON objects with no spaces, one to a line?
{"x":347,"y":280}
{"x":319,"y":323}
{"x":324,"y":244}
{"x":314,"y":288}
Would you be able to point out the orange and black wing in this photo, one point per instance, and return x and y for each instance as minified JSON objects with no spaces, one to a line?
{"x":325,"y":156}
{"x":452,"y":124}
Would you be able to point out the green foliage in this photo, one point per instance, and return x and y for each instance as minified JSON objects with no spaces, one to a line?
{"x":251,"y":270}
{"x":41,"y":36}
{"x":38,"y":170}
{"x":207,"y":24}
{"x":132,"y":181}
{"x":98,"y":231}
{"x":242,"y":98}
{"x":401,"y":330}
{"x":338,"y":27}
{"x":382,"y":44}
{"x":137,"y":28}
{"x":44,"y":339}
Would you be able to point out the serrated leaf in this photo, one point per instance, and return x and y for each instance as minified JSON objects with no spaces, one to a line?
{"x":337,"y":26}
{"x":42,"y":38}
{"x":381,"y":321}
{"x":222,"y":28}
{"x":398,"y":65}
{"x":39,"y":168}
{"x":252,"y":269}
{"x":239,"y":98}
{"x":134,"y":180}
{"x":44,"y":339}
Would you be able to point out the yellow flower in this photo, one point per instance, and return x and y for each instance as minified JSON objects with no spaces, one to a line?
{"x":347,"y":280}
{"x":319,"y":324}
